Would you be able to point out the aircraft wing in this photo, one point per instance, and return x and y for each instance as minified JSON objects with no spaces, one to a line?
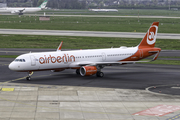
{"x":88,"y":63}
{"x":21,"y":10}
{"x":110,"y":63}
{"x":18,"y":11}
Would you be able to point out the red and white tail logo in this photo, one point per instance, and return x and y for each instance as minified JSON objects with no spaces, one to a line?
{"x":150,"y":38}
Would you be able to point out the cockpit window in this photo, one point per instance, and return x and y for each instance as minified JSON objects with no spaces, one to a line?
{"x":19,"y":60}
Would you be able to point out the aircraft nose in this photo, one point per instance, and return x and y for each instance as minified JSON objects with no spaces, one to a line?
{"x":12,"y":66}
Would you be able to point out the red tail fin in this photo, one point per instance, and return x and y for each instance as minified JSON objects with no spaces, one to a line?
{"x":150,"y":38}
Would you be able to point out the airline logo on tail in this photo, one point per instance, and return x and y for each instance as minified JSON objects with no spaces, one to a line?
{"x":151,"y":36}
{"x":43,"y":5}
{"x":149,"y":39}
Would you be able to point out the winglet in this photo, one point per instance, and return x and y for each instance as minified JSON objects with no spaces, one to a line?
{"x":60,"y":45}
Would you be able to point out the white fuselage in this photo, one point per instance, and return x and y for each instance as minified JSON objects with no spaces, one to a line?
{"x":17,"y":9}
{"x":69,"y":59}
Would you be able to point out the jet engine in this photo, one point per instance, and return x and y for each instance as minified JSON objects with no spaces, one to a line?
{"x":13,"y":12}
{"x":88,"y":70}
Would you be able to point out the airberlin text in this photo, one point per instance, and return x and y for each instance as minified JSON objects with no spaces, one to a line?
{"x":58,"y":59}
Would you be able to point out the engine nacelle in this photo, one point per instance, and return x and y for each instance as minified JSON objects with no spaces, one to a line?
{"x":13,"y":12}
{"x":59,"y":70}
{"x":88,"y":70}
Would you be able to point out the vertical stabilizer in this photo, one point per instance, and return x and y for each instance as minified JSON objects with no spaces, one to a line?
{"x":150,"y":38}
{"x":43,"y":5}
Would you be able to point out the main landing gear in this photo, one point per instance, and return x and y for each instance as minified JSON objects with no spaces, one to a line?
{"x":100,"y":74}
{"x":78,"y":71}
{"x":29,"y":76}
{"x":20,"y":13}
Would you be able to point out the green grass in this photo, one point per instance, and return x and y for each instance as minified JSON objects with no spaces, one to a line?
{"x":8,"y":56}
{"x":165,"y":62}
{"x":169,"y":57}
{"x":121,"y":12}
{"x":89,"y":24}
{"x":27,"y":41}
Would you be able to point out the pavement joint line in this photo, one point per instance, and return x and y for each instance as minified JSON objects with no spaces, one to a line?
{"x":50,"y":107}
{"x":46,"y":106}
{"x":61,"y":108}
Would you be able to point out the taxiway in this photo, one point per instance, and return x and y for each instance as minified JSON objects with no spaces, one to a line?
{"x":85,"y":33}
{"x":125,"y":93}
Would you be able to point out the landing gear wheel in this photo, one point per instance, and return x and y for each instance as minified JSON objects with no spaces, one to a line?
{"x":99,"y":74}
{"x":28,"y":78}
{"x":78,"y":71}
{"x":20,"y":13}
{"x":29,"y":75}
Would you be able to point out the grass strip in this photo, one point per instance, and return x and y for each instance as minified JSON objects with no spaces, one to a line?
{"x":71,"y":42}
{"x":8,"y":56}
{"x":89,"y":23}
{"x":164,"y":62}
{"x":122,"y":12}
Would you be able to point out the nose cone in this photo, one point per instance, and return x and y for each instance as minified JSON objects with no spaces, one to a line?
{"x":12,"y":66}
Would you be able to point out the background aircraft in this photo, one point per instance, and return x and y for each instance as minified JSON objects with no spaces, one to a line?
{"x":88,"y":62}
{"x":21,"y":10}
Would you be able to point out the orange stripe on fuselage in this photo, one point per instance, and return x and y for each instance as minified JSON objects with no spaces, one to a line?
{"x":141,"y":54}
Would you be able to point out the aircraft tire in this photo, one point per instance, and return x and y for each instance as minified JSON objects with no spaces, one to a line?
{"x":78,"y":71}
{"x":28,"y":78}
{"x":100,"y":74}
{"x":20,"y":13}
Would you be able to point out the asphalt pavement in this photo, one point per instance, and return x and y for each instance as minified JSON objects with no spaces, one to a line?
{"x":86,"y":33}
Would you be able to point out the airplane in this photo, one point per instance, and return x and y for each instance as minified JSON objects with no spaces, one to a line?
{"x":88,"y":62}
{"x":21,"y":10}
{"x":104,"y":10}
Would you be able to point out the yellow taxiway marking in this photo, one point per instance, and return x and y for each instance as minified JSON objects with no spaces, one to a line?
{"x":7,"y":89}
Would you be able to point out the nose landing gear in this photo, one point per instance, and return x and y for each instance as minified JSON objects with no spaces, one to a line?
{"x":29,"y":76}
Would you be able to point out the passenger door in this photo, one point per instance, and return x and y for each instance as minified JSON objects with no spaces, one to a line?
{"x":33,"y":60}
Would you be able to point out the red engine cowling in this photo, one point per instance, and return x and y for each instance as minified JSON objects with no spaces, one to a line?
{"x":88,"y":70}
